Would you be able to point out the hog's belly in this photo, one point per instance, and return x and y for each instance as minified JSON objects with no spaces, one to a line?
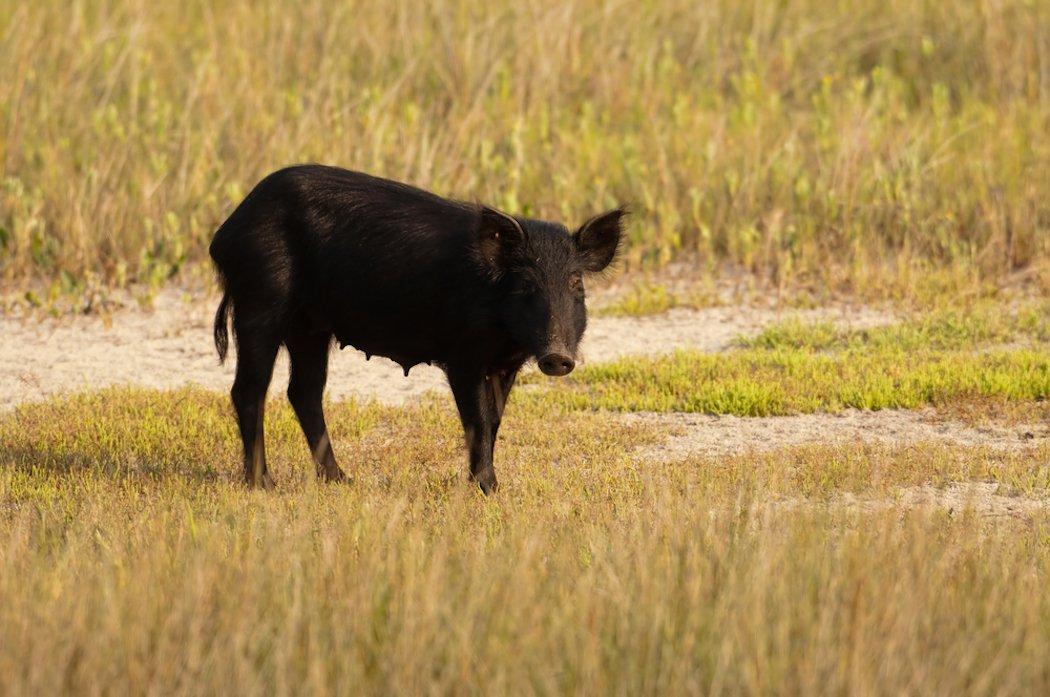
{"x":404,"y":344}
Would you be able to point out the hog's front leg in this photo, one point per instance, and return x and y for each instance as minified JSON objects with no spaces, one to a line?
{"x":479,"y":413}
{"x":500,"y":385}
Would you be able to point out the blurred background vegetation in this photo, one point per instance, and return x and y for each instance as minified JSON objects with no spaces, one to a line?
{"x":858,"y":145}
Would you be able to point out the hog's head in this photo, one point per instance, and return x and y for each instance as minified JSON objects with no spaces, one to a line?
{"x":539,"y":268}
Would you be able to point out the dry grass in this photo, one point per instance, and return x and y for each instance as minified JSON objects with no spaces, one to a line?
{"x":132,"y":561}
{"x":870,"y":147}
{"x":985,"y":411}
{"x":648,"y":297}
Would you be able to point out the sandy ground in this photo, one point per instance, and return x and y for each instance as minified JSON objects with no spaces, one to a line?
{"x":985,"y":499}
{"x":705,"y":435}
{"x":170,"y":345}
{"x":702,"y":435}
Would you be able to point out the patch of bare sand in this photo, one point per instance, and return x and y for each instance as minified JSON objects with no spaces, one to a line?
{"x":167,"y":346}
{"x":985,"y":499}
{"x":707,"y":329}
{"x":717,"y":436}
{"x":170,"y":345}
{"x":988,"y":499}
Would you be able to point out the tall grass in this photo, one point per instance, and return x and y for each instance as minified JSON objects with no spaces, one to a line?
{"x":844,"y":142}
{"x":132,"y":562}
{"x":164,"y":589}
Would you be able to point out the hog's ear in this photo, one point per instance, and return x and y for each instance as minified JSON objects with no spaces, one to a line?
{"x":499,"y":236}
{"x":598,"y":238}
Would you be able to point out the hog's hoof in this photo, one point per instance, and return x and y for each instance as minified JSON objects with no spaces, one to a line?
{"x":487,"y":482}
{"x":262,"y":483}
{"x":335,"y":476}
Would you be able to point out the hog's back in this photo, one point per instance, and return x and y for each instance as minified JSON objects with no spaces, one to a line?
{"x":386,"y":267}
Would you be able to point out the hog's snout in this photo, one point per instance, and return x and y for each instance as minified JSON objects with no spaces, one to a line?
{"x":557,"y":364}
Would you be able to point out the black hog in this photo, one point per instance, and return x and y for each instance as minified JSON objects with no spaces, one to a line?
{"x":318,"y":252}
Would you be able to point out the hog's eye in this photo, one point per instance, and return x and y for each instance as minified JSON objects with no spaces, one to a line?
{"x":526,"y":289}
{"x":575,"y":283}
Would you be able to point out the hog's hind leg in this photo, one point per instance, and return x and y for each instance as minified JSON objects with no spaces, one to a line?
{"x":308,"y":353}
{"x":256,"y":352}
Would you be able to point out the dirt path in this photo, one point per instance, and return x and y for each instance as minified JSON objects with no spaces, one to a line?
{"x":170,"y":346}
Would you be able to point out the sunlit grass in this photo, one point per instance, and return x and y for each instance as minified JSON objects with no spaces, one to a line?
{"x":191,"y":433}
{"x":134,"y":560}
{"x":868,"y":147}
{"x":756,"y":382}
{"x":825,"y":472}
{"x":647,"y":297}
{"x":893,"y":150}
{"x":143,"y":436}
{"x":985,"y":411}
{"x":945,"y":329}
{"x":939,"y":357}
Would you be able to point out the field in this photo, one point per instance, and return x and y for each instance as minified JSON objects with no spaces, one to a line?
{"x":807,"y":452}
{"x":880,"y":148}
{"x":867,"y":565}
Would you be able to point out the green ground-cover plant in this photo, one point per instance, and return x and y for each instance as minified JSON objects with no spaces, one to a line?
{"x":988,"y":352}
{"x":943,"y":329}
{"x":760,"y":382}
{"x":866,"y":146}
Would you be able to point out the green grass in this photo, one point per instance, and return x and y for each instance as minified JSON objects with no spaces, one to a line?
{"x":785,"y":381}
{"x":939,"y":357}
{"x":133,"y":561}
{"x":959,"y":328}
{"x":863,"y":146}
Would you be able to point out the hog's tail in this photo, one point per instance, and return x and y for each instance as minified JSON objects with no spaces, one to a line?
{"x":222,"y":318}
